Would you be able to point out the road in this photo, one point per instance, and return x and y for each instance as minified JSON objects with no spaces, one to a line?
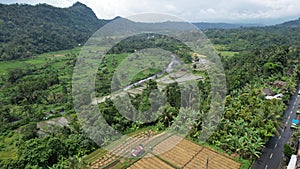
{"x":160,"y":78}
{"x":273,"y":152}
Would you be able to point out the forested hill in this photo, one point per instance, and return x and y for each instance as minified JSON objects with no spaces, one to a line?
{"x":207,"y":25}
{"x":293,"y":23}
{"x":27,"y":30}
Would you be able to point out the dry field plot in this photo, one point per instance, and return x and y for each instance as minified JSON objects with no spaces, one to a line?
{"x":172,"y":152}
{"x":178,"y":155}
{"x":150,"y":163}
{"x":215,"y":160}
{"x":190,"y":155}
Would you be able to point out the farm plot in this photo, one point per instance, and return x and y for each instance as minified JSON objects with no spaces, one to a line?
{"x":178,"y":155}
{"x":173,"y":151}
{"x":150,"y":163}
{"x":213,"y":160}
{"x":186,"y":154}
{"x":120,"y":150}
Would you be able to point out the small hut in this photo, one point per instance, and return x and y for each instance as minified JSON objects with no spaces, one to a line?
{"x":138,"y":151}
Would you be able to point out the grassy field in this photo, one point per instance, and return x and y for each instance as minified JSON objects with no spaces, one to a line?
{"x":223,"y":50}
{"x":57,"y":59}
{"x":227,"y":53}
{"x":8,"y":148}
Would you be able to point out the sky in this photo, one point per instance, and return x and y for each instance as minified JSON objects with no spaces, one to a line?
{"x":231,"y":11}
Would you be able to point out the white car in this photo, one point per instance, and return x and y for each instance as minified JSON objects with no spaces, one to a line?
{"x":294,"y":126}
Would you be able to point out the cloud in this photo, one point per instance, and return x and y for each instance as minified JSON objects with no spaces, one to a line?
{"x":190,"y":10}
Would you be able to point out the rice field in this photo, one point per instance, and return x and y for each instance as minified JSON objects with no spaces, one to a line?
{"x":186,"y":154}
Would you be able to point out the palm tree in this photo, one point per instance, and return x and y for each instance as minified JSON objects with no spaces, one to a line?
{"x":76,"y":162}
{"x":168,"y":115}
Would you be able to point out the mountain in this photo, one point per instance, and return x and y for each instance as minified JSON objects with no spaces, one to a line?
{"x":206,"y":25}
{"x":28,"y":30}
{"x":293,"y":23}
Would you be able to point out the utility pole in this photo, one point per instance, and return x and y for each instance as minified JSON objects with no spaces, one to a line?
{"x":207,"y":158}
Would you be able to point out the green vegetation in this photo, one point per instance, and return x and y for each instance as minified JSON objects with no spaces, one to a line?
{"x":8,"y":145}
{"x":249,"y":119}
{"x":29,"y":30}
{"x":94,"y":155}
{"x":34,"y":93}
{"x":287,"y":150}
{"x":36,"y":89}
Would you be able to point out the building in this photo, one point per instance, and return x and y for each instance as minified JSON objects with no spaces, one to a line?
{"x":138,"y":151}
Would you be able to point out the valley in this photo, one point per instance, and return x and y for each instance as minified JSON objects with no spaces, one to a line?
{"x":41,"y":127}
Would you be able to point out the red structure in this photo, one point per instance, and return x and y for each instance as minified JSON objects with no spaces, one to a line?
{"x":138,"y":151}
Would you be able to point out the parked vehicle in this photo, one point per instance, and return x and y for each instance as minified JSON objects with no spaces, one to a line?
{"x":295,"y":124}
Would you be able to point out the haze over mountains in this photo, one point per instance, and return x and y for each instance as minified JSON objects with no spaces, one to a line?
{"x":28,"y":30}
{"x":293,"y":23}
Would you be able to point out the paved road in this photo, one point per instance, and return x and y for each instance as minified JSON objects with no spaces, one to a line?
{"x":176,"y":76}
{"x":273,"y":153}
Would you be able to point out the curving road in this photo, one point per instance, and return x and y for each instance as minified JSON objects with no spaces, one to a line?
{"x":176,"y":76}
{"x":272,"y":154}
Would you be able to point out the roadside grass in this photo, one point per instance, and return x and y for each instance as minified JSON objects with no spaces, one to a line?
{"x":246,"y":164}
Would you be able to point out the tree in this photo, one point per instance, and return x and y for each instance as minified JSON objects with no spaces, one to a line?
{"x":168,"y":115}
{"x":287,"y":150}
{"x":29,"y":131}
{"x":14,"y":74}
{"x":172,"y":91}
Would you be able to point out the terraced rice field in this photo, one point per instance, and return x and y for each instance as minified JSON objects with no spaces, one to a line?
{"x":119,"y":151}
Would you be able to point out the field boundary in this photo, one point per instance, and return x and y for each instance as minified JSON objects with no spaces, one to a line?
{"x":193,"y":157}
{"x":165,"y":161}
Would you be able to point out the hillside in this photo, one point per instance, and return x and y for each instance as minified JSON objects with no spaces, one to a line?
{"x":48,"y":121}
{"x":206,"y":25}
{"x":293,"y":23}
{"x":29,"y":30}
